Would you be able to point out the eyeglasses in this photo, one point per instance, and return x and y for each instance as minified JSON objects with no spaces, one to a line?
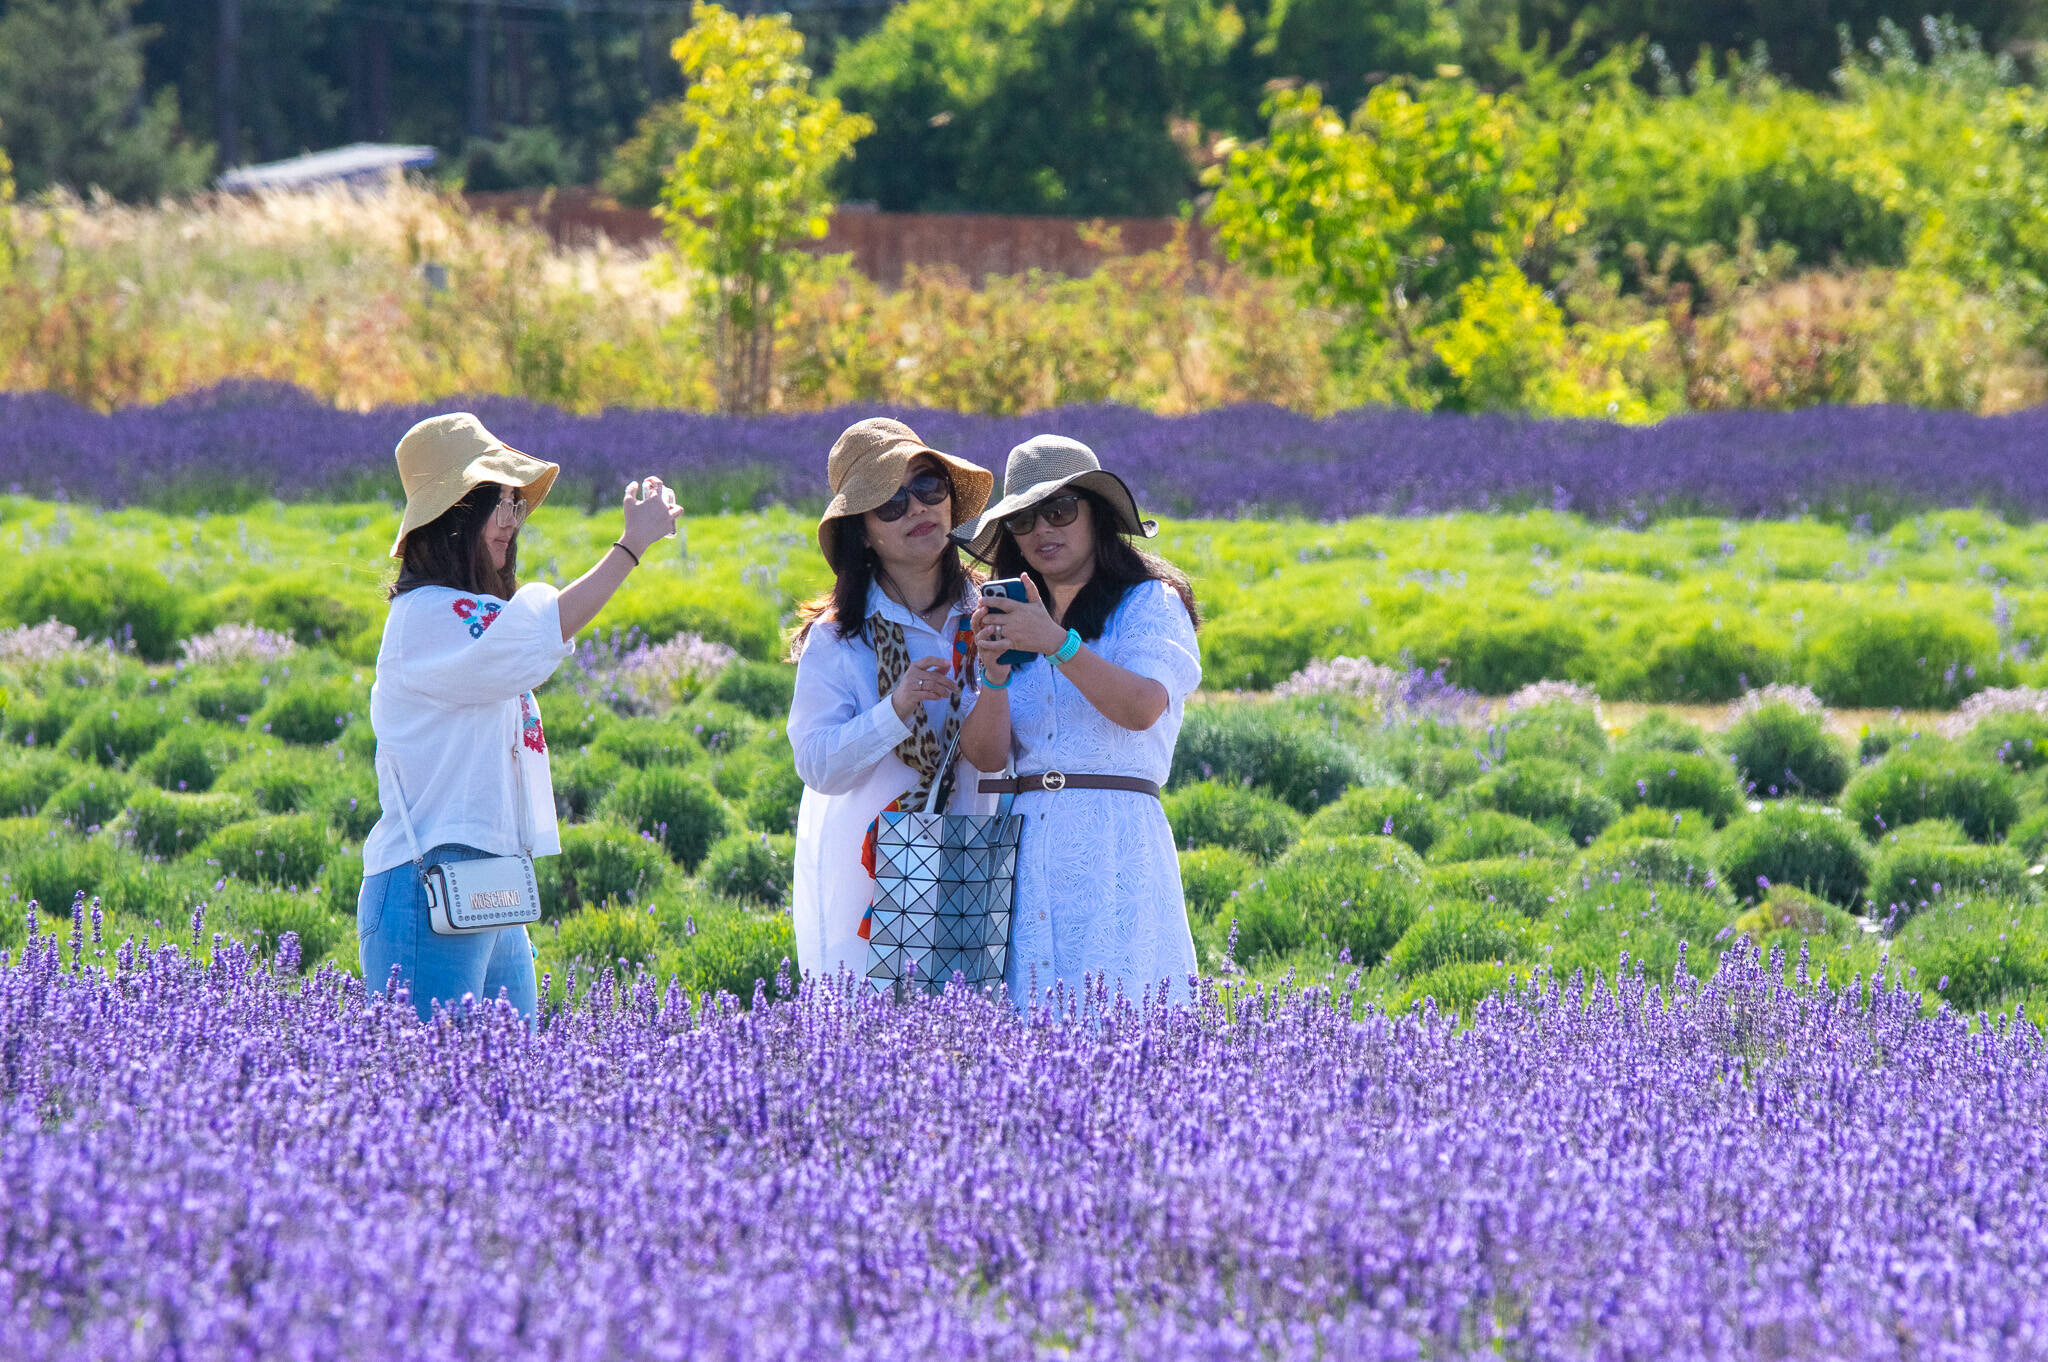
{"x":510,"y":511}
{"x":929,"y":488}
{"x":1058,"y":512}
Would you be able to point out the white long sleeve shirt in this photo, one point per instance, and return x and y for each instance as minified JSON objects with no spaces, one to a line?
{"x":453,"y":710}
{"x":844,"y":732}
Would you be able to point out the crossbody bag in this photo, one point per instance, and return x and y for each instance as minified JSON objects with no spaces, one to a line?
{"x":466,"y":897}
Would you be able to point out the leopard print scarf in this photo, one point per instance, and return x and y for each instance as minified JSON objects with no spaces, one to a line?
{"x":922,"y":749}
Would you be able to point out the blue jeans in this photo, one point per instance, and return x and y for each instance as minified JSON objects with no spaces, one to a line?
{"x":395,"y":926}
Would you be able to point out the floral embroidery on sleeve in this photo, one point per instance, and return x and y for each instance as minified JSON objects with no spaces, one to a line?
{"x":478,"y":618}
{"x":530,"y":731}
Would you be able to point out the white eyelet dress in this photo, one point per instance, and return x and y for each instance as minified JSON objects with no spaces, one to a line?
{"x":1098,"y":878}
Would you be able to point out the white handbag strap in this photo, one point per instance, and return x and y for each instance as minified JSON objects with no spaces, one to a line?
{"x":520,"y":810}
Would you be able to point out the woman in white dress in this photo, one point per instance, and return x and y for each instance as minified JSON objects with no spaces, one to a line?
{"x":884,"y":672}
{"x":1090,"y":725}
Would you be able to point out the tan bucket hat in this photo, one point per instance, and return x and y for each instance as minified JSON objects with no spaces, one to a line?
{"x":1041,"y":467}
{"x":870,"y":460}
{"x":442,"y":457}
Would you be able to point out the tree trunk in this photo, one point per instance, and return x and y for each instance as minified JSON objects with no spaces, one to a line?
{"x":226,"y":73}
{"x":479,"y":122}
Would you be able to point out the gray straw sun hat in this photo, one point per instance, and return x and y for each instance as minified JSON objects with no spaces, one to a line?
{"x":1041,"y":467}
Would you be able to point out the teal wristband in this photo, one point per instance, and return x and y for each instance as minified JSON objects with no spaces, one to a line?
{"x":993,"y":685}
{"x":1067,"y":649}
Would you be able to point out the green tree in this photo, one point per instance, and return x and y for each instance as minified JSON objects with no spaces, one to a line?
{"x":72,"y":110}
{"x":751,"y":184}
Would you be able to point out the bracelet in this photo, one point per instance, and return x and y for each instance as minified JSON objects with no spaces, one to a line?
{"x":620,"y":545}
{"x":1067,"y":649}
{"x":993,"y":685}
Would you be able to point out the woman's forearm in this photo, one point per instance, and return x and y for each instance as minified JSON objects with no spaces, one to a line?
{"x":985,"y":732}
{"x":1125,"y":698}
{"x":583,"y":598}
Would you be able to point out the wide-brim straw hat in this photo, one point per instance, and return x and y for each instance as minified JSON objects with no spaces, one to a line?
{"x":872,"y":458}
{"x":1044,"y":466}
{"x":443,"y":457}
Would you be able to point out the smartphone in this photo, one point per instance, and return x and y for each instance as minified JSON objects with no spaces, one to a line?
{"x":1013,"y":587}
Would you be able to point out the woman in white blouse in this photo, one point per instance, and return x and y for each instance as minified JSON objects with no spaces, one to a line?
{"x":460,"y":747}
{"x":1090,"y":724}
{"x":884,"y":672}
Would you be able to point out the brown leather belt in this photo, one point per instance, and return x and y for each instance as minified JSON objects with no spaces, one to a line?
{"x":1060,"y":780}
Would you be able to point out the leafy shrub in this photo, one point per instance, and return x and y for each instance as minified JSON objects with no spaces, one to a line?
{"x":1698,"y":656}
{"x":1208,"y":878}
{"x":1647,"y":821}
{"x":773,"y":795}
{"x":762,"y":689}
{"x":117,"y":730}
{"x":52,"y":868}
{"x":648,"y":742}
{"x":1788,"y":914}
{"x":600,"y":863}
{"x":1524,"y":886}
{"x":260,"y":917}
{"x":90,"y":799}
{"x":662,"y":606}
{"x":1485,"y":835}
{"x":286,"y":849}
{"x":1379,"y":811}
{"x":104,"y":597}
{"x":1779,"y":750}
{"x":2029,"y":836}
{"x":313,"y":607}
{"x":1908,"y":877}
{"x":622,"y":938}
{"x":1648,"y":921}
{"x":727,"y":949}
{"x":1245,"y":743}
{"x":226,"y":697}
{"x":349,"y":803}
{"x":752,"y":866}
{"x":1454,"y":933}
{"x":1971,"y":953}
{"x":2018,"y":742}
{"x":719,"y":727}
{"x":169,"y":825}
{"x":1646,"y":860}
{"x":282,"y":780}
{"x":1929,"y":832}
{"x":1904,"y":659}
{"x":582,"y":780}
{"x":1495,"y":654}
{"x":1559,"y":730}
{"x":1453,"y":988}
{"x":1796,"y":845}
{"x":1877,"y":740}
{"x":1662,"y":731}
{"x":1439,"y":771}
{"x":1209,"y":813}
{"x":679,"y":809}
{"x":1546,"y":792}
{"x":189,"y":757}
{"x":28,"y":779}
{"x":1905,"y":789}
{"x":1349,"y":893}
{"x":312,"y":712}
{"x":1250,"y":650}
{"x":1674,"y":780}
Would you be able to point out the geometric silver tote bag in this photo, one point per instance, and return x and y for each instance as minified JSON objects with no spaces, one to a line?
{"x":943,"y":889}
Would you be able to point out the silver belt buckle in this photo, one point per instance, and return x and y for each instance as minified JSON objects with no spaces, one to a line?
{"x":1054,"y":781}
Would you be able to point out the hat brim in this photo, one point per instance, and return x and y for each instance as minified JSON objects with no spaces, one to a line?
{"x":504,"y":465}
{"x":980,"y":537}
{"x":972,"y":487}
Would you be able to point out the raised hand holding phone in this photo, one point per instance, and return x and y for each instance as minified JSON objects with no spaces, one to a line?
{"x":1012,"y":614}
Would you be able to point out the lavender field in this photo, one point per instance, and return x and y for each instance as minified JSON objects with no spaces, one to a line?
{"x":222,"y":1161}
{"x":275,"y":440}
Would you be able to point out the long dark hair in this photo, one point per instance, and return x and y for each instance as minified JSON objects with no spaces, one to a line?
{"x":854,"y":566}
{"x":1119,"y":566}
{"x":449,"y":550}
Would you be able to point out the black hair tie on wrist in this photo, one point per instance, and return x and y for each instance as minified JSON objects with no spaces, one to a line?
{"x":620,"y":545}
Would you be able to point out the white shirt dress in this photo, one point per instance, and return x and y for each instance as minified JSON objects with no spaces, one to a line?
{"x":1098,"y":877}
{"x":844,"y":733}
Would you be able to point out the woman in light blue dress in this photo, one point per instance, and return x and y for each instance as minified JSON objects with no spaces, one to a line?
{"x":1087,"y":725}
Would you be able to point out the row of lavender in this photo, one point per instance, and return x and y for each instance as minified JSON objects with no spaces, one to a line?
{"x":212,"y":1162}
{"x":1220,"y":463}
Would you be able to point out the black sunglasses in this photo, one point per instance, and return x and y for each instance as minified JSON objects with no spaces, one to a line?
{"x":929,"y":488}
{"x":1058,"y":512}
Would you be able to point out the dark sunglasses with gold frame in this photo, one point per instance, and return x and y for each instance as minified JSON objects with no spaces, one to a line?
{"x":928,"y":487}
